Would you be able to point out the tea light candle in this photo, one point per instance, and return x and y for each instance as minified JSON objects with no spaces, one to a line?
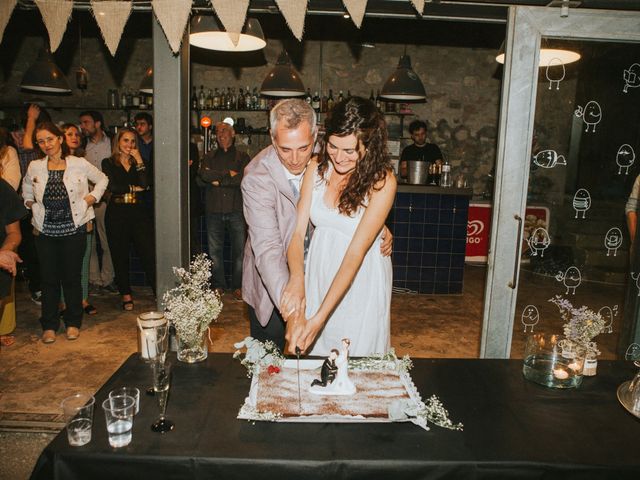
{"x":574,"y":366}
{"x":560,"y":374}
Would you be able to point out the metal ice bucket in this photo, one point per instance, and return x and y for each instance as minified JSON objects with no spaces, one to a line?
{"x":417,"y":172}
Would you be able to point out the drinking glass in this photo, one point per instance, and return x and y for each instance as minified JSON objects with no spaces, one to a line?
{"x":118,"y":412}
{"x":154,"y":339}
{"x":78,"y":414}
{"x":130,"y":391}
{"x":161,"y":385}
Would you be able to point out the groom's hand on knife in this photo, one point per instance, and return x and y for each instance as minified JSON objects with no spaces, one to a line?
{"x":293,"y":301}
{"x":294,"y":328}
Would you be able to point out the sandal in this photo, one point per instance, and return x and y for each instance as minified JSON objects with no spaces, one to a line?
{"x":90,"y":309}
{"x":7,"y":340}
{"x":127,"y":305}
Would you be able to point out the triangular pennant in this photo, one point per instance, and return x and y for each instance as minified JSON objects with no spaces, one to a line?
{"x":56,"y":15}
{"x":111,"y":16}
{"x":232,"y":16}
{"x":294,"y":12}
{"x":356,"y":9}
{"x":419,"y":5}
{"x":6,"y":8}
{"x":172,"y":15}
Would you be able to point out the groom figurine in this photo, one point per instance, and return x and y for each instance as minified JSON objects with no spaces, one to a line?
{"x":270,"y":190}
{"x":328,"y":371}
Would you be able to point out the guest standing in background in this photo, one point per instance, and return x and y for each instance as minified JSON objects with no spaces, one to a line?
{"x":127,"y":218}
{"x":421,"y":150}
{"x":98,"y":148}
{"x":143,"y":123}
{"x":73,"y":140}
{"x":56,"y":189}
{"x":9,"y":162}
{"x":195,"y":202}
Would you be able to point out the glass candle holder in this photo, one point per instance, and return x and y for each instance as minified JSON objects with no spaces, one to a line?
{"x":547,"y":363}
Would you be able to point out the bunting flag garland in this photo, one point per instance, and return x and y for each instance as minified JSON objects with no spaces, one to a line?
{"x":172,"y":15}
{"x":419,"y":6}
{"x":56,"y":15}
{"x":294,"y":12}
{"x":111,"y":16}
{"x":356,"y":9}
{"x":6,"y":8}
{"x":232,"y":15}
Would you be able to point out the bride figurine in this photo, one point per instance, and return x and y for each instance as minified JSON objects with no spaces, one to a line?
{"x":342,"y":384}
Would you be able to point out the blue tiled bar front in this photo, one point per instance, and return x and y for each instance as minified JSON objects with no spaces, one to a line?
{"x":429,"y":226}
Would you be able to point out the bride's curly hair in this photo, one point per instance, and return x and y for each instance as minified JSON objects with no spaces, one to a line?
{"x":360,"y":117}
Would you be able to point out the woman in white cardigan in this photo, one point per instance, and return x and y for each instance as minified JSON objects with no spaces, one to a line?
{"x":56,"y":189}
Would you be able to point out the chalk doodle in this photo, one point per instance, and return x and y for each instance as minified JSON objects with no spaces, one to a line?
{"x":633,"y":352}
{"x":636,"y":278}
{"x":571,"y":279}
{"x":613,"y":240}
{"x":591,"y":114}
{"x":539,"y":241}
{"x":530,"y":317}
{"x":631,"y":77}
{"x":555,"y":75}
{"x":548,"y":159}
{"x":607,"y":313}
{"x":581,"y":202}
{"x":625,"y":158}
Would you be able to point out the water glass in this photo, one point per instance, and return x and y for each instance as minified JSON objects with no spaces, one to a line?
{"x":130,"y":391}
{"x":548,"y":362}
{"x":78,"y":415}
{"x":118,"y":411}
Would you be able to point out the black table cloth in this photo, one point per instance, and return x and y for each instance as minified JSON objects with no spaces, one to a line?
{"x":512,"y":429}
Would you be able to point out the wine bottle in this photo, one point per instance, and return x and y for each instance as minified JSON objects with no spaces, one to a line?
{"x":315,"y":102}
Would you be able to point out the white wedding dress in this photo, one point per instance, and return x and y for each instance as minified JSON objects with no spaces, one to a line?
{"x":363,"y":314}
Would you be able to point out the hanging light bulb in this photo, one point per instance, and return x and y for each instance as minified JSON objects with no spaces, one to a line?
{"x":403,"y":84}
{"x":207,"y":33}
{"x":283,"y":80}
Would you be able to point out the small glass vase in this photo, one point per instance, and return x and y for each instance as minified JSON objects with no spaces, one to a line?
{"x":193,"y":352}
{"x":547,"y":363}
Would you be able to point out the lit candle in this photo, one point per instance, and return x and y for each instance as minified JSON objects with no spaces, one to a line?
{"x":560,"y":374}
{"x":574,"y":366}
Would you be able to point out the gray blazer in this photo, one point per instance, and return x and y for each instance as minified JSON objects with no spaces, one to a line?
{"x":270,"y":212}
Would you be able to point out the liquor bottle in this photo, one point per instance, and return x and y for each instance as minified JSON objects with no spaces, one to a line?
{"x":348,"y":93}
{"x":229,"y":100}
{"x":445,"y":178}
{"x":209,"y":100}
{"x":202,"y":99}
{"x":378,"y":101}
{"x":247,"y":99}
{"x":216,"y":98}
{"x":130,"y":98}
{"x":340,"y":96}
{"x":307,"y":97}
{"x":240,"y":102}
{"x":255,"y":99}
{"x":135,"y":99}
{"x":149,"y":100}
{"x":330,"y":101}
{"x":123,"y":100}
{"x":371,"y":97}
{"x":194,"y":99}
{"x":323,"y":103}
{"x":315,"y":102}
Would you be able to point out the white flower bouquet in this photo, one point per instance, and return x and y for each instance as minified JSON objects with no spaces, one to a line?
{"x":581,"y":327}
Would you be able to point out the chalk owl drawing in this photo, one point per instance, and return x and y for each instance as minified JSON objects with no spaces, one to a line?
{"x":613,"y":240}
{"x":636,"y":278}
{"x":555,"y":75}
{"x":530,"y":317}
{"x":591,"y":114}
{"x":581,"y":202}
{"x":539,"y":241}
{"x":548,"y":159}
{"x":631,"y":77}
{"x":625,"y":158}
{"x":607,"y":313}
{"x":571,"y":279}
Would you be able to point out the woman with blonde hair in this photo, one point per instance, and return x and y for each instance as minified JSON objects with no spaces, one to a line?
{"x":127,"y":219}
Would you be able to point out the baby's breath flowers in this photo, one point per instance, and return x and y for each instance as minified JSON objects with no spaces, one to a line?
{"x":581,"y":327}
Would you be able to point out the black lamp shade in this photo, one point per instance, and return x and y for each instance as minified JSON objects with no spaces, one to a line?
{"x":146,"y":85}
{"x":206,"y":32}
{"x":403,"y":84}
{"x":45,"y":76}
{"x":283,"y":80}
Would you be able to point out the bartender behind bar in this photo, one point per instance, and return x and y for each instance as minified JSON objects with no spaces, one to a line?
{"x":420,"y":150}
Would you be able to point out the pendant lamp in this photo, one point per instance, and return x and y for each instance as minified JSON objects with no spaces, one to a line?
{"x":403,"y":84}
{"x":548,"y":56}
{"x":283,"y":80}
{"x":146,"y":85}
{"x":207,"y":33}
{"x":45,"y":76}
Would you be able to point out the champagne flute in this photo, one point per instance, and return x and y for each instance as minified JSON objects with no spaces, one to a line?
{"x":161,"y":385}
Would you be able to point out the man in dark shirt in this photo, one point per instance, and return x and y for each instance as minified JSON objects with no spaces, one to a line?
{"x":420,"y":150}
{"x":11,"y":211}
{"x":221,"y":173}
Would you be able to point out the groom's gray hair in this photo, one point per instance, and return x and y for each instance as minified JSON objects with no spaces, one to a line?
{"x":293,"y":111}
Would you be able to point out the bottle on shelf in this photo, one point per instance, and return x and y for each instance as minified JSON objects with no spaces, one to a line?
{"x":123,"y":100}
{"x":202,"y":99}
{"x":307,"y":96}
{"x":130,"y":98}
{"x":315,"y":102}
{"x":194,"y":99}
{"x":247,"y":99}
{"x":340,"y":96}
{"x":330,"y":101}
{"x":371,"y":97}
{"x":240,"y":101}
{"x":255,"y":99}
{"x":208,"y":103}
{"x":378,"y":101}
{"x":348,"y":93}
{"x":149,"y":100}
{"x":216,"y":98}
{"x":135,"y":99}
{"x":445,"y":177}
{"x":323,"y":103}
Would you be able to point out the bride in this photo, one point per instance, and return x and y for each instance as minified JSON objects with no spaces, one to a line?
{"x":342,"y":385}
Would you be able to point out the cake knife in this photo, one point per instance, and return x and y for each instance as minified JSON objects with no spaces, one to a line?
{"x":298,"y":368}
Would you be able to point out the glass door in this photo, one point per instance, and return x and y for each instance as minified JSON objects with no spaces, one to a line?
{"x":569,"y":137}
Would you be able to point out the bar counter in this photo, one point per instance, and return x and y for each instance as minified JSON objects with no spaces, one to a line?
{"x":512,"y":429}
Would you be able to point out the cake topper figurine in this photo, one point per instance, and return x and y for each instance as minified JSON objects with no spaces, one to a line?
{"x":341,"y":384}
{"x":328,"y":370}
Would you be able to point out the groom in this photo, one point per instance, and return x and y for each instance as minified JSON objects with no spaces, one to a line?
{"x":269,"y":203}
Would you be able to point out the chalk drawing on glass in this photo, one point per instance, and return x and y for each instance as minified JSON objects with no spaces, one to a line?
{"x":636,"y":278}
{"x":631,"y":77}
{"x":591,"y":115}
{"x":555,"y":75}
{"x":539,"y":241}
{"x":625,"y":158}
{"x":581,"y":202}
{"x":633,"y":352}
{"x":607,"y":313}
{"x":548,"y":159}
{"x":613,"y":240}
{"x":530,"y":317}
{"x":571,"y":278}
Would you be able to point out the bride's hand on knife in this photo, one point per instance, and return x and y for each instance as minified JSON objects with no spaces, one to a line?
{"x":292,"y":303}
{"x":310,"y":332}
{"x":294,"y":328}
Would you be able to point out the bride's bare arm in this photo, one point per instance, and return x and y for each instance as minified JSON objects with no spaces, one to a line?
{"x":369,"y":228}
